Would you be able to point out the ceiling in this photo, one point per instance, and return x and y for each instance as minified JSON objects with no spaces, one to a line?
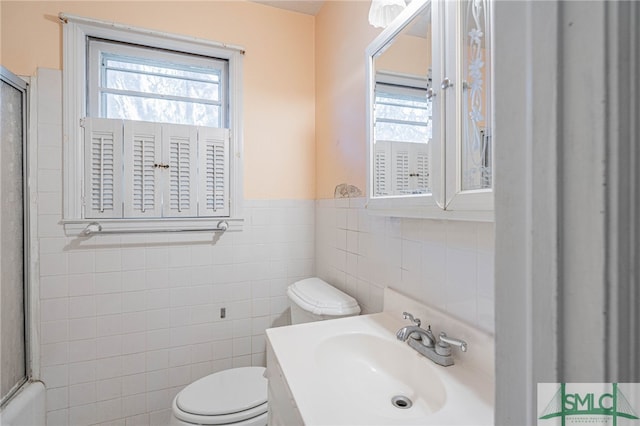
{"x":309,"y":7}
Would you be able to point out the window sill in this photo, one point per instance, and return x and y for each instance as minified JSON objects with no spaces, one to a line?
{"x":79,"y":227}
{"x":425,"y":207}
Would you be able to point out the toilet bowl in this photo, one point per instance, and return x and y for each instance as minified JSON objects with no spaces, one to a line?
{"x":238,"y":396}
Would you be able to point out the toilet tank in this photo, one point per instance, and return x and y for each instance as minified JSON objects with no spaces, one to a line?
{"x":313,"y":299}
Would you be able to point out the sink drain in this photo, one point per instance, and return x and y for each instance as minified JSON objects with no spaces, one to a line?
{"x":401,"y":401}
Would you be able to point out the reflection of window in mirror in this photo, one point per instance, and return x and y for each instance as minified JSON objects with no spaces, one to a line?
{"x":402,"y":113}
{"x":402,"y":132}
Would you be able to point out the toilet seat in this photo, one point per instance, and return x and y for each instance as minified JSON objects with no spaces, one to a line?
{"x":192,"y":419}
{"x":236,"y":396}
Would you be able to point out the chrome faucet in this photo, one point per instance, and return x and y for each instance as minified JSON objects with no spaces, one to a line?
{"x":424,"y":342}
{"x":425,"y":337}
{"x":417,"y":333}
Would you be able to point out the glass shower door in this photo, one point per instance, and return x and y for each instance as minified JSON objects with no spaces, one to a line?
{"x":13,"y":279}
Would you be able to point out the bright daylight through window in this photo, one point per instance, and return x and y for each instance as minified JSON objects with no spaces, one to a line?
{"x":138,"y":83}
{"x":402,"y":114}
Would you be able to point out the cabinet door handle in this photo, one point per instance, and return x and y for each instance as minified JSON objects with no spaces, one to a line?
{"x":430,"y":94}
{"x":446,"y":83}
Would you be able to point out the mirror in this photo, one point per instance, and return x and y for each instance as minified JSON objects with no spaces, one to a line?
{"x":400,"y":125}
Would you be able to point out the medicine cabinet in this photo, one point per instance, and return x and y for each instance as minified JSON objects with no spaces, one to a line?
{"x":429,"y":115}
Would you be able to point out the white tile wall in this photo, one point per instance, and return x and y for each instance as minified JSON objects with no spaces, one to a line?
{"x":126,"y":321}
{"x":445,"y":264}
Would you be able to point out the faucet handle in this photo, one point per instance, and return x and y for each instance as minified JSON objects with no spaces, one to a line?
{"x":446,"y":341}
{"x":410,"y":317}
{"x":430,"y":341}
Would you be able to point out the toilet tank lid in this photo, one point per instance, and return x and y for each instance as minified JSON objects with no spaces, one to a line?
{"x":316,"y":296}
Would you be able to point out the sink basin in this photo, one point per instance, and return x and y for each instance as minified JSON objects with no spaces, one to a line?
{"x":347,"y":372}
{"x":381,"y":369}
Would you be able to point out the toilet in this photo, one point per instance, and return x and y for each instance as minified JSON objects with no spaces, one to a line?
{"x":238,"y":396}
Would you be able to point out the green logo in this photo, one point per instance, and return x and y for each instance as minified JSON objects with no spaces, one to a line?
{"x":565,"y":404}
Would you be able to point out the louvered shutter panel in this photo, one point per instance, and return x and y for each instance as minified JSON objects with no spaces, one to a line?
{"x":422,"y":168}
{"x":103,"y":168}
{"x":400,"y":168}
{"x":179,"y":151}
{"x":382,"y":168}
{"x":142,"y":171}
{"x":213,"y":174}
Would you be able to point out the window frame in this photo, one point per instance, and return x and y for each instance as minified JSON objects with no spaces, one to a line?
{"x":76,"y":34}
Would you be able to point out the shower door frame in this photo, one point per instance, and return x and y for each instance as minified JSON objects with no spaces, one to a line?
{"x":23,"y":86}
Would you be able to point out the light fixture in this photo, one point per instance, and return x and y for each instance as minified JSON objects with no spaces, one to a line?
{"x":382,"y":12}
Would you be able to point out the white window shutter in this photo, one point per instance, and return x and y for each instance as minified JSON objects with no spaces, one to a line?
{"x":179,"y":152}
{"x":103,"y":168}
{"x":401,"y":171}
{"x":422,"y":167}
{"x":142,"y":169}
{"x":213,"y":175}
{"x":382,"y":168}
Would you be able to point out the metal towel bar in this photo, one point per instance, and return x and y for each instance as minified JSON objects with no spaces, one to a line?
{"x":95,"y":228}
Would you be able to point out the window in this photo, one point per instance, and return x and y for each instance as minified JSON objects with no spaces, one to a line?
{"x":152,"y":127}
{"x":139,"y":83}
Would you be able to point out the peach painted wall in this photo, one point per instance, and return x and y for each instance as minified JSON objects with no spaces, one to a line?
{"x":409,"y":55}
{"x":342,"y":35}
{"x":279,"y":71}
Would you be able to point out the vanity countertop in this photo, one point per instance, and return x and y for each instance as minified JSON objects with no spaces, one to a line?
{"x":346,"y":372}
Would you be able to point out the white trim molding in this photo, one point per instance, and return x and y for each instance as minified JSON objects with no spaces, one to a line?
{"x":567,"y":222}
